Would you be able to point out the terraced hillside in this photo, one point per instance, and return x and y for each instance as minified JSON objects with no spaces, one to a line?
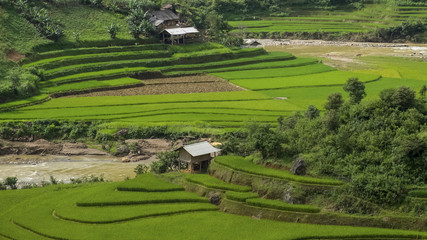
{"x":147,"y":208}
{"x":302,"y":21}
{"x":114,"y":83}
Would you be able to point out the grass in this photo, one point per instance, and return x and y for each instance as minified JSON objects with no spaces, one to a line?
{"x":244,"y":165}
{"x":278,"y":72}
{"x":116,"y":198}
{"x":212,"y":182}
{"x":302,"y":19}
{"x":91,"y":23}
{"x":240,"y":196}
{"x":191,"y":68}
{"x":92,"y":85}
{"x":113,"y":73}
{"x":99,"y":66}
{"x":32,"y":209}
{"x":114,"y":214}
{"x":94,"y":50}
{"x":303,"y":97}
{"x":318,"y":79}
{"x":51,"y":63}
{"x":280,"y":205}
{"x":23,"y":102}
{"x":195,"y":47}
{"x":148,"y":183}
{"x":234,"y":106}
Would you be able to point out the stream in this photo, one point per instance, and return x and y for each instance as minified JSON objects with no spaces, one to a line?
{"x":35,"y":168}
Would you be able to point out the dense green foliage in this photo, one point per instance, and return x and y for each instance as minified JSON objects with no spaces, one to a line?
{"x":378,"y":147}
{"x":212,"y":182}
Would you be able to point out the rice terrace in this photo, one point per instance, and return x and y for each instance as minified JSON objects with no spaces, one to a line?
{"x":155,"y":119}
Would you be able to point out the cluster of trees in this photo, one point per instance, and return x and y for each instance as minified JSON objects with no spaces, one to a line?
{"x":407,"y":30}
{"x":379,"y":147}
{"x":20,"y":83}
{"x":39,"y":16}
{"x":139,"y":18}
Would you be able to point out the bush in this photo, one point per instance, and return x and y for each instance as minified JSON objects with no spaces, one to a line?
{"x":141,"y":169}
{"x":168,"y":161}
{"x":11,"y":182}
{"x":87,"y":179}
{"x":113,"y":29}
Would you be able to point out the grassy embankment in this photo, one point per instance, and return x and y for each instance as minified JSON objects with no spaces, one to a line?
{"x":51,"y":212}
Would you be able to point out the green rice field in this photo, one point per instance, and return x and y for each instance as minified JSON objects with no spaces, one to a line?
{"x":52,"y":213}
{"x":274,"y":84}
{"x":338,"y":21}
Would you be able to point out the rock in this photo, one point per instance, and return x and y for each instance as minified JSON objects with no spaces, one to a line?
{"x":126,"y":159}
{"x":138,"y":158}
{"x":299,"y":168}
{"x":122,"y":150}
{"x":214,"y":198}
{"x":287,"y":195}
{"x":121,"y":133}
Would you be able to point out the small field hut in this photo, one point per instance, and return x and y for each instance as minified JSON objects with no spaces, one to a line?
{"x":197,"y":156}
{"x":179,"y":35}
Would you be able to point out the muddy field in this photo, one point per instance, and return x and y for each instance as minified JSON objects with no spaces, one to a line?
{"x":188,"y":84}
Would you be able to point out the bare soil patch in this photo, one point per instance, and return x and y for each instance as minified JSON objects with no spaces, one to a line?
{"x":44,"y":147}
{"x":188,"y":84}
{"x":14,"y":55}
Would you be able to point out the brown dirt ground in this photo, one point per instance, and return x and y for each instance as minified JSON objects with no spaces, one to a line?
{"x":184,"y":79}
{"x":189,"y":84}
{"x":14,"y":55}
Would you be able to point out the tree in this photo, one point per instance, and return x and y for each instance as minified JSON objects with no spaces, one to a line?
{"x":402,"y":98}
{"x":356,"y":89}
{"x":334,"y":101}
{"x":139,"y":23}
{"x":113,"y":29}
{"x":312,"y":112}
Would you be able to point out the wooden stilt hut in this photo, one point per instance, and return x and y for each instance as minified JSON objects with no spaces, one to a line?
{"x":197,"y":156}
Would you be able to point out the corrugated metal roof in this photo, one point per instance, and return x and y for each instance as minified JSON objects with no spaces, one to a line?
{"x":181,"y":31}
{"x":201,"y":148}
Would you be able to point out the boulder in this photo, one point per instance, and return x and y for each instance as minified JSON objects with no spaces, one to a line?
{"x":299,"y":168}
{"x":214,"y":198}
{"x":122,"y":150}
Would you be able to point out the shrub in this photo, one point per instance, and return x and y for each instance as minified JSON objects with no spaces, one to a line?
{"x":168,"y":161}
{"x":113,"y":29}
{"x":141,"y":169}
{"x":11,"y":182}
